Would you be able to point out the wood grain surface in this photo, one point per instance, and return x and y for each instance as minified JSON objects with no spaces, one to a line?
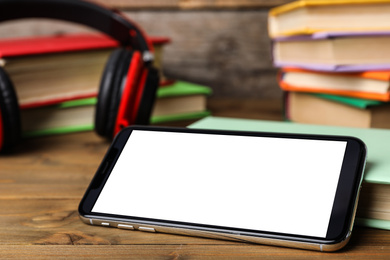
{"x":42,"y":182}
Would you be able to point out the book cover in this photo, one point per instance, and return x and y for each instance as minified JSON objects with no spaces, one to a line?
{"x":373,"y":85}
{"x":183,"y":88}
{"x":25,"y":46}
{"x":15,"y":47}
{"x":334,"y":51}
{"x":304,"y":3}
{"x":310,"y":16}
{"x":355,"y":102}
{"x":336,"y":110}
{"x":378,"y":164}
{"x":377,"y":167}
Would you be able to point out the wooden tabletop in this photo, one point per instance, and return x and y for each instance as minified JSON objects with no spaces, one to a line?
{"x":42,"y":183}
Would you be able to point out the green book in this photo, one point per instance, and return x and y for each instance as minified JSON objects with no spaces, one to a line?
{"x":179,"y":101}
{"x":377,"y":172}
{"x":335,"y":110}
{"x":182,"y":88}
{"x":355,"y":102}
{"x":67,"y":117}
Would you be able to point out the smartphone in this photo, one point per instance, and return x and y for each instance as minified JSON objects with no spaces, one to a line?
{"x":270,"y":188}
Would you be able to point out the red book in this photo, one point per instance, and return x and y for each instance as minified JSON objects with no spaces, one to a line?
{"x":53,"y":69}
{"x":54,"y":44}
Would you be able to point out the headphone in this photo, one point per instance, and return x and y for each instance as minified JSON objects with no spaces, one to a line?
{"x":129,"y":82}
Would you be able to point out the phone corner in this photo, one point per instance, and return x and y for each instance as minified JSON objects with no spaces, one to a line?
{"x":85,"y":219}
{"x":337,"y":245}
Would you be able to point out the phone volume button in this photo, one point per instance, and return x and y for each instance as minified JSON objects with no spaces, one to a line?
{"x":105,"y":167}
{"x":125,"y":226}
{"x":146,"y":229}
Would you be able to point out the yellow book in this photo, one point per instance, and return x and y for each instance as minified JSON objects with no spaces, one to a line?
{"x":310,"y":16}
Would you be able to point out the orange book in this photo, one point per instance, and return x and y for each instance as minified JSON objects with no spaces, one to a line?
{"x":373,"y":85}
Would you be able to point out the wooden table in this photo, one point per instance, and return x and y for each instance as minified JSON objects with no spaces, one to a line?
{"x":42,"y":183}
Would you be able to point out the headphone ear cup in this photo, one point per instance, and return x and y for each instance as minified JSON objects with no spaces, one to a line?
{"x":109,"y":95}
{"x":10,"y":127}
{"x":138,"y":94}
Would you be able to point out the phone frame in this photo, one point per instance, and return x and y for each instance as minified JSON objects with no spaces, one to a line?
{"x":342,"y":216}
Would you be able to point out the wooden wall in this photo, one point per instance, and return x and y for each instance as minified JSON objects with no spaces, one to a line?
{"x":191,"y":4}
{"x":222,"y":44}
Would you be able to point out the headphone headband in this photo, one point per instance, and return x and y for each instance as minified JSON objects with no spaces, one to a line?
{"x":95,"y":16}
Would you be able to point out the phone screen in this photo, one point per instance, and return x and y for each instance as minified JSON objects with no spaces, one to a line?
{"x":283,"y":185}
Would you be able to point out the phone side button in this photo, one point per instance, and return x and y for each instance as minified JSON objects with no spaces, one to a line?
{"x":124,"y":226}
{"x":146,"y":229}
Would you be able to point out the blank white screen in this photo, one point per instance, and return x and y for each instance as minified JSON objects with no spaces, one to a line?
{"x":259,"y":183}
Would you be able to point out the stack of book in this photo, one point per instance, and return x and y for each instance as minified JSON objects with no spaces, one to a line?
{"x":177,"y":101}
{"x":56,"y":79}
{"x":335,"y":70}
{"x":334,"y":60}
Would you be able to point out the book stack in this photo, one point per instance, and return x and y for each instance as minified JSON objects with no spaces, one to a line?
{"x":56,"y":79}
{"x":177,"y":101}
{"x":335,"y":69}
{"x":334,"y":60}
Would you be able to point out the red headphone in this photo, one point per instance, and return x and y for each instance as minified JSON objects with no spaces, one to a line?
{"x":128,"y":85}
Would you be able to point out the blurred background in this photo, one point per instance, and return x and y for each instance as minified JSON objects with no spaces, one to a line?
{"x":220,"y":44}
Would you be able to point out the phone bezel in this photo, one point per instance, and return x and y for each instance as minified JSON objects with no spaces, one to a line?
{"x":341,"y":217}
